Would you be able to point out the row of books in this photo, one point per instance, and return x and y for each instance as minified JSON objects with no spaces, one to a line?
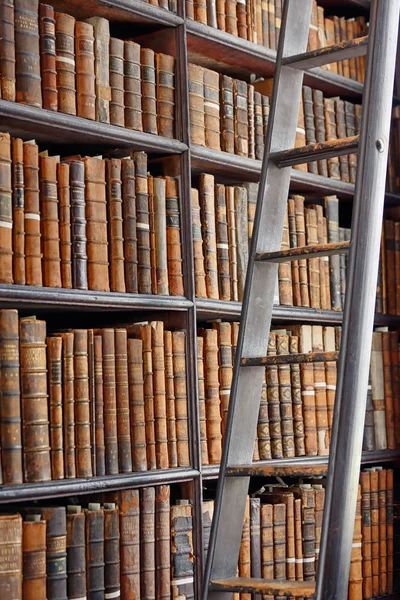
{"x":297,"y":401}
{"x":50,"y":60}
{"x":138,"y":546}
{"x":282,"y":532}
{"x":87,"y":223}
{"x":86,"y":402}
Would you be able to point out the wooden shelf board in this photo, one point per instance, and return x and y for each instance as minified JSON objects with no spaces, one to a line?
{"x":71,"y":487}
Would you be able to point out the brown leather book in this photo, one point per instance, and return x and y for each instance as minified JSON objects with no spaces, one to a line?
{"x":54,"y":361}
{"x":115,"y":225}
{"x":241,"y":117}
{"x":18,"y":211}
{"x":255,"y":540}
{"x":116,"y":80}
{"x":63,"y":175}
{"x":7,"y":51}
{"x":366,"y":534}
{"x":202,"y":401}
{"x":293,"y":244}
{"x":129,"y":525}
{"x":65,"y":63}
{"x":170,"y":400}
{"x":136,"y":403}
{"x":35,"y":416}
{"x":129,"y":225}
{"x":68,"y":405}
{"x":101,"y":32}
{"x":198,"y":256}
{"x":95,"y":551}
{"x":142,"y":223}
{"x":99,"y":406}
{"x":309,"y":122}
{"x":394,"y":361}
{"x":301,"y":241}
{"x":10,"y":407}
{"x":27,"y":52}
{"x":47,"y":30}
{"x":82,"y":404}
{"x":227,"y":115}
{"x":349,"y":115}
{"x":331,"y":135}
{"x":174,"y":247}
{"x":145,"y":332}
{"x":222,"y":243}
{"x":163,"y":543}
{"x":263,"y":435}
{"x":250,"y":105}
{"x":160,"y":231}
{"x":11,"y":569}
{"x":308,"y":392}
{"x":112,"y":583}
{"x":324,"y":285}
{"x":341,"y":133}
{"x":165,"y":93}
{"x":78,"y":225}
{"x":330,"y":373}
{"x":231,"y":17}
{"x":34,"y":557}
{"x":96,"y":227}
{"x":274,"y":415}
{"x":76,"y":563}
{"x":297,"y":403}
{"x":389,"y":529}
{"x":242,"y":242}
{"x":300,"y":139}
{"x":284,"y":269}
{"x":6,"y":211}
{"x":132,"y":86}
{"x":148,"y":74}
{"x":241,"y":19}
{"x":181,"y":399}
{"x":211,"y":109}
{"x":231,"y":217}
{"x":51,"y":262}
{"x":332,"y":215}
{"x":212,"y":398}
{"x":147,"y":542}
{"x":343,"y":38}
{"x":319,"y":120}
{"x":383,"y":587}
{"x":389,"y":408}
{"x":313,"y":263}
{"x":356,"y":575}
{"x":279,"y":522}
{"x":110,"y":402}
{"x":330,"y":39}
{"x":374,"y":487}
{"x":313,"y":42}
{"x":285,"y":397}
{"x":85,"y":77}
{"x":258,"y":126}
{"x":321,"y":410}
{"x":244,"y":553}
{"x":56,"y":550}
{"x":225,"y":368}
{"x":122,"y":391}
{"x":200,"y":11}
{"x":160,"y":409}
{"x":182,"y":559}
{"x":92,"y":399}
{"x":207,"y":211}
{"x":390,"y":254}
{"x":153,"y":276}
{"x":267,"y":542}
{"x":196,"y":104}
{"x":319,"y":514}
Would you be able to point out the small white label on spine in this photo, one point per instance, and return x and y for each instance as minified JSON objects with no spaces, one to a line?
{"x":225,"y":392}
{"x":145,"y":226}
{"x":223,"y":246}
{"x":6,"y":224}
{"x":182,"y":581}
{"x":64,"y":59}
{"x":330,"y":386}
{"x":116,"y":594}
{"x":308,"y":393}
{"x":309,"y":560}
{"x":320,"y":384}
{"x":32,"y":216}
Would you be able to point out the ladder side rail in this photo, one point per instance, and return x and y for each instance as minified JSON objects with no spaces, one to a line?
{"x":358,"y":320}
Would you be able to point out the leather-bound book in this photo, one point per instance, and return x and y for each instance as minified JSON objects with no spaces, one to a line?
{"x":165,"y":93}
{"x":349,"y":116}
{"x":174,"y":247}
{"x":6,"y":211}
{"x":390,"y":255}
{"x":51,"y":261}
{"x":241,"y":215}
{"x":250,"y":105}
{"x":35,"y":415}
{"x":389,"y":410}
{"x":147,"y":543}
{"x":330,"y":373}
{"x":341,"y":133}
{"x":308,"y":107}
{"x":82,"y":404}
{"x":300,"y":139}
{"x":92,"y":399}
{"x":101,"y":32}
{"x":319,"y":513}
{"x":115,"y":225}
{"x":255,"y":540}
{"x":301,"y":241}
{"x":198,"y":256}
{"x":267,"y":542}
{"x":96,"y":227}
{"x":142,"y":223}
{"x":383,"y":587}
{"x":207,"y":211}
{"x":163,"y":543}
{"x":122,"y":390}
{"x":18,"y":211}
{"x":225,"y":367}
{"x":181,"y":399}
{"x":56,"y":551}
{"x":10,"y":405}
{"x":366,"y":534}
{"x":7,"y":51}
{"x":27,"y":52}
{"x":231,"y":217}
{"x":293,"y":244}
{"x":160,"y":409}
{"x":182,"y":559}
{"x":332,"y":214}
{"x":241,"y":18}
{"x":244,"y":553}
{"x":146,"y":334}
{"x":160,"y":230}
{"x":368,"y":437}
{"x":64,"y":200}
{"x":211,"y":109}
{"x":231,"y":24}
{"x":76,"y":553}
{"x":132,"y":86}
{"x":356,"y":575}
{"x":307,"y":495}
{"x":321,"y":410}
{"x":208,"y":512}
{"x":374,"y":487}
{"x":285,"y":397}
{"x":34,"y":557}
{"x":297,"y":403}
{"x":129,"y":225}
{"x":110,"y":402}
{"x":85,"y":77}
{"x":222,"y":243}
{"x":397,"y":266}
{"x":279,"y":522}
{"x":136,"y":404}
{"x":112,"y":582}
{"x":324,"y":285}
{"x":241,"y":117}
{"x":389,"y":529}
{"x":378,"y":391}
{"x":68,"y":405}
{"x":196,"y":104}
{"x":65,"y":63}
{"x":148,"y":74}
{"x":252,"y":192}
{"x":319,"y":120}
{"x":78,"y":225}
{"x":258,"y":126}
{"x":202,"y":401}
{"x":11,"y":565}
{"x":200,"y":11}
{"x":313,"y":263}
{"x":170,"y":400}
{"x":95,"y":551}
{"x":343,"y":38}
{"x":263,"y":435}
{"x":308,"y":393}
{"x":54,"y":362}
{"x":212,"y":398}
{"x":47,"y":30}
{"x":227,"y":115}
{"x":129,"y":525}
{"x":284,"y":269}
{"x":274,"y":415}
{"x":153,"y":276}
{"x":298,"y":539}
{"x":331,"y":135}
{"x":99,"y":406}
{"x":394,"y":361}
{"x":116,"y":80}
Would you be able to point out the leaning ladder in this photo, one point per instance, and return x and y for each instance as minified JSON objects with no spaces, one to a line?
{"x":220,"y":579}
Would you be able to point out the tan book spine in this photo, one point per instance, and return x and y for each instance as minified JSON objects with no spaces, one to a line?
{"x":122,"y":391}
{"x":85,"y":77}
{"x":202,"y":401}
{"x":146,"y":335}
{"x":160,"y":228}
{"x":163,"y":543}
{"x":147,"y":542}
{"x":321,"y":405}
{"x":68,"y":405}
{"x":382,"y":485}
{"x":375,"y":550}
{"x":227,"y":115}
{"x":65,"y":63}
{"x":301,"y":241}
{"x":263,"y":434}
{"x":165,"y":93}
{"x":6,"y":211}
{"x":356,"y":576}
{"x":295,"y":378}
{"x":110,"y":402}
{"x":33,"y":261}
{"x":132,"y":86}
{"x":225,"y":368}
{"x":231,"y":22}
{"x":99,"y":406}
{"x":300,"y":139}
{"x":18,"y":211}
{"x":212,"y":398}
{"x":170,"y":400}
{"x":331,"y":135}
{"x":267,"y":542}
{"x":63,"y":174}
{"x":148,"y":74}
{"x":129,"y":225}
{"x":308,"y":394}
{"x":198,"y":256}
{"x":293,"y":244}
{"x":11,"y":532}
{"x":222,"y":243}
{"x":279,"y":521}
{"x":274,"y":414}
{"x":174,"y":245}
{"x":142,"y":223}
{"x":102,"y":55}
{"x":241,"y":212}
{"x":7,"y":51}
{"x":244,"y":553}
{"x":115,"y":225}
{"x":389,"y":529}
{"x":181,"y":399}
{"x":284,"y":269}
{"x":378,"y":391}
{"x":51,"y":262}
{"x":231,"y":216}
{"x":313,"y":263}
{"x":330,"y":373}
{"x":241,"y":115}
{"x":212,"y":121}
{"x":54,"y":361}
{"x":285,"y":397}
{"x":160,"y":408}
{"x":136,"y":404}
{"x":83,"y":448}
{"x":196,"y":104}
{"x":33,"y":566}
{"x":207,"y":208}
{"x":153,"y":275}
{"x":116,"y":80}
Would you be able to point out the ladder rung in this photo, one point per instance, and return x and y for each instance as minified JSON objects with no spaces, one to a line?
{"x":311,"y":152}
{"x":290,"y":359}
{"x":292,"y":470}
{"x":248,"y":585}
{"x":328,"y":55}
{"x":304,"y":252}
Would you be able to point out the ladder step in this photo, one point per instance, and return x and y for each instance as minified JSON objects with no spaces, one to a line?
{"x":248,"y":585}
{"x":328,"y":55}
{"x":290,"y":359}
{"x":317,"y":151}
{"x":304,"y":252}
{"x":292,"y":470}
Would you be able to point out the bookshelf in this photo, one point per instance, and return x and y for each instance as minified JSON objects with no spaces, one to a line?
{"x":188,"y":41}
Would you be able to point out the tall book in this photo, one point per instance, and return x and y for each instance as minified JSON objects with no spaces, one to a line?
{"x":48,"y":57}
{"x":182,"y":559}
{"x":163,"y":543}
{"x":148,"y":75}
{"x":82,"y":404}
{"x":132,"y":86}
{"x":198,"y":255}
{"x":27,"y":53}
{"x":181,"y":399}
{"x":196,"y":104}
{"x":165,"y":94}
{"x":64,"y":190}
{"x":68,"y":405}
{"x":142,"y":223}
{"x":110,"y":402}
{"x":76,"y":552}
{"x":78,"y":225}
{"x":6,"y":210}
{"x":116,"y":82}
{"x":170,"y":400}
{"x":7,"y":51}
{"x":207,"y":211}
{"x":122,"y":395}
{"x":95,"y":550}
{"x":212,"y":398}
{"x":115,"y":224}
{"x":137,"y":404}
{"x":129,"y":225}
{"x":112,"y":582}
{"x":51,"y":261}
{"x":160,"y":408}
{"x":11,"y":569}
{"x":129,"y":525}
{"x":101,"y":32}
{"x":18,"y":211}
{"x":65,"y":63}
{"x":85,"y":77}
{"x":54,"y":361}
{"x":56,"y":551}
{"x":174,"y":247}
{"x":34,"y":557}
{"x":147,"y":542}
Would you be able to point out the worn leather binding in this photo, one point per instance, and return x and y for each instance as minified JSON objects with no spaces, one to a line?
{"x":34,"y":557}
{"x":10,"y":411}
{"x":27,"y":52}
{"x":250,"y":102}
{"x":285,"y":397}
{"x":35,"y":416}
{"x":122,"y":391}
{"x":331,"y":134}
{"x":96,"y":224}
{"x":244,"y":553}
{"x":136,"y":404}
{"x":200,"y":11}
{"x":378,"y":391}
{"x":212,"y":109}
{"x":51,"y":262}
{"x":129,"y":524}
{"x":227,"y":118}
{"x":11,"y":565}
{"x":68,"y":404}
{"x":145,"y":333}
{"x":174,"y":247}
{"x":132,"y":86}
{"x":181,"y":408}
{"x":116,"y":81}
{"x":101,"y":32}
{"x":7,"y":51}
{"x":319,"y":120}
{"x":231,"y":216}
{"x":115,"y":225}
{"x":374,"y":486}
{"x":284,"y":270}
{"x":307,"y":495}
{"x":225,"y":368}
{"x":99,"y":406}
{"x":148,"y":74}
{"x":231,"y":23}
{"x":330,"y":373}
{"x":279,"y":521}
{"x":222,"y":243}
{"x":165,"y":93}
{"x":341,"y":133}
{"x":182,"y":559}
{"x":162,"y":539}
{"x":78,"y":225}
{"x":112,"y":582}
{"x":110,"y":402}
{"x":147,"y":542}
{"x":95,"y":551}
{"x":241,"y":18}
{"x":56,"y":551}
{"x":153,"y":276}
{"x":255,"y":540}
{"x":198,"y":256}
{"x":308,"y":393}
{"x":6,"y":210}
{"x":324,"y":285}
{"x":33,"y":262}
{"x":267,"y":542}
{"x":309,"y":124}
{"x":389,"y":408}
{"x":129,"y":225}
{"x":298,"y":541}
{"x":293,"y":244}
{"x":160,"y":227}
{"x":196,"y":104}
{"x":366,"y":534}
{"x":390,"y":254}
{"x":63,"y":178}
{"x":65,"y":63}
{"x":207,"y":208}
{"x":313,"y":263}
{"x":76,"y":560}
{"x":82,"y":404}
{"x":389,"y":529}
{"x":241,"y":117}
{"x":170,"y":400}
{"x":85,"y":77}
{"x":212,"y":398}
{"x":274,"y":416}
{"x":160,"y":409}
{"x":349,"y":116}
{"x":383,"y":588}
{"x":142,"y":223}
{"x":258,"y":126}
{"x":332,"y":214}
{"x":202,"y":401}
{"x":263,"y":435}
{"x":48,"y":56}
{"x":18,"y":217}
{"x":242,"y":242}
{"x":54,"y":362}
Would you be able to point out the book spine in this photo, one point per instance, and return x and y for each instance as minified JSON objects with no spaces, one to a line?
{"x":241,"y":18}
{"x":390,"y":254}
{"x":76,"y":559}
{"x":47,"y":30}
{"x":366,"y":534}
{"x":241,"y":116}
{"x":207,"y":211}
{"x":11,"y":568}
{"x":147,"y":543}
{"x":274,"y":416}
{"x":129,"y":225}
{"x":51,"y":261}
{"x":378,"y":391}
{"x":65,"y":63}
{"x":212,"y":121}
{"x":356,"y":576}
{"x":231,"y":23}
{"x":101,"y":31}
{"x":341,"y":133}
{"x":165,"y":94}
{"x":82,"y":404}
{"x":284,"y":269}
{"x":122,"y":394}
{"x":330,"y":374}
{"x":78,"y":225}
{"x":85,"y":77}
{"x":99,"y":406}
{"x":92,"y":400}
{"x":349,"y":116}
{"x":322,"y":234}
{"x":170,"y":400}
{"x":383,"y":588}
{"x":142,"y":223}
{"x":129,"y":525}
{"x":181,"y":399}
{"x":95,"y":552}
{"x":198,"y":255}
{"x":267,"y":541}
{"x":149,"y":397}
{"x":368,"y":439}
{"x":222,"y":243}
{"x":244,"y":553}
{"x":63,"y":177}
{"x":300,"y":139}
{"x":319,"y":120}
{"x":56,"y":552}
{"x":313,"y":263}
{"x":18,"y":210}
{"x":279,"y":522}
{"x":54,"y":361}
{"x":389,"y":410}
{"x":112,"y":583}
{"x":27,"y":53}
{"x":182,"y":559}
{"x":374,"y":487}
{"x":231,"y":217}
{"x":160,"y":407}
{"x":332,"y":214}
{"x":163,"y":543}
{"x":116,"y":78}
{"x":196,"y":104}
{"x":389,"y":529}
{"x":301,"y":241}
{"x":263,"y":433}
{"x":115,"y":225}
{"x":321,"y":410}
{"x":255,"y":540}
{"x":132,"y":86}
{"x":160,"y":226}
{"x":148,"y":74}
{"x":153,"y":274}
{"x":136,"y":402}
{"x":34,"y":557}
{"x":308,"y":395}
{"x":6,"y":211}
{"x":307,"y":495}
{"x":309,"y":123}
{"x":227,"y":115}
{"x":295,"y":378}
{"x":242,"y":243}
{"x":212,"y":398}
{"x":258,"y":126}
{"x":110,"y":402}
{"x":293,"y":244}
{"x":225,"y":368}
{"x":68,"y":405}
{"x":202,"y":401}
{"x":331,"y":134}
{"x":394,"y":361}
{"x":285,"y":397}
{"x":7,"y":51}
{"x":174,"y":248}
